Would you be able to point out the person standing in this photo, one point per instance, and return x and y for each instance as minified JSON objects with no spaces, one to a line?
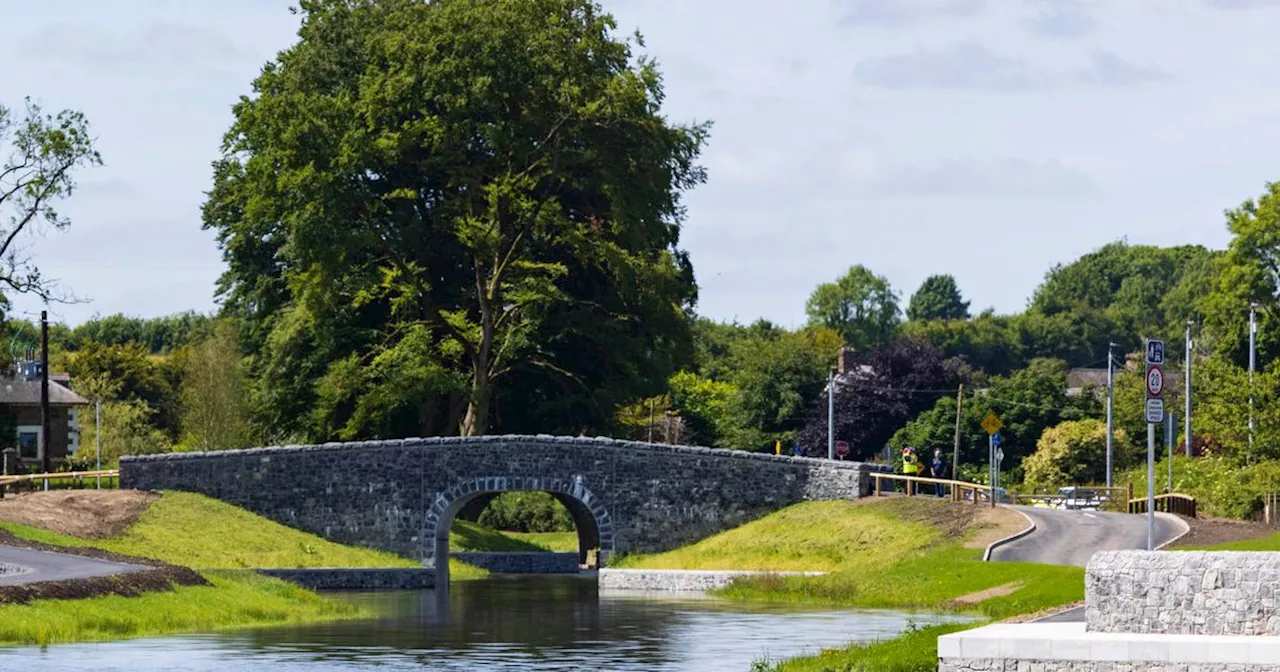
{"x":938,"y":469}
{"x":910,"y":467}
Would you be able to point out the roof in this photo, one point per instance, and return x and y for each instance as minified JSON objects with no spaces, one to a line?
{"x":27,"y":392}
{"x":1078,"y":378}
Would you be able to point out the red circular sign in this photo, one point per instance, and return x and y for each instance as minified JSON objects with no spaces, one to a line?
{"x":1155,"y":381}
{"x":842,"y":448}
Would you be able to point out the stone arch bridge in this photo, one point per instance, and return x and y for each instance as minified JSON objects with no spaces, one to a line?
{"x":401,"y":495}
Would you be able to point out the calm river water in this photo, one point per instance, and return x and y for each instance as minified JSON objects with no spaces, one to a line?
{"x":530,"y":624}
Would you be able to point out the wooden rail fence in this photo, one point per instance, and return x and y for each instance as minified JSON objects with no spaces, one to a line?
{"x":73,"y":479}
{"x":959,"y":491}
{"x":1182,"y":505}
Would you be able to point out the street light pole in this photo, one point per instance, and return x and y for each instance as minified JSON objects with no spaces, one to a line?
{"x":1110,"y":401}
{"x":1187,"y":394}
{"x":1253,"y":332}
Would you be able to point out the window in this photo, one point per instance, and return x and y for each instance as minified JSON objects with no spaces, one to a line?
{"x":29,"y":442}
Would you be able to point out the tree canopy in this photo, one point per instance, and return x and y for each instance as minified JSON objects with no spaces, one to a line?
{"x":40,"y":154}
{"x":438,"y":217}
{"x":860,"y":306}
{"x":938,"y":299}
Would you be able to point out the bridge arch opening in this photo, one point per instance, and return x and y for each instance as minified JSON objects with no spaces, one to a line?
{"x":591,"y":520}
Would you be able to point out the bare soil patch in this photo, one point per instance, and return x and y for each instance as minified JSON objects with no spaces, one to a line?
{"x":992,"y":525}
{"x":1214,"y":531}
{"x":981,"y":525}
{"x":984,"y":595}
{"x":87,"y":514}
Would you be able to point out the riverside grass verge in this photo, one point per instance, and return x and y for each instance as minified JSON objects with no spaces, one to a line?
{"x":232,"y":600}
{"x":904,"y":554}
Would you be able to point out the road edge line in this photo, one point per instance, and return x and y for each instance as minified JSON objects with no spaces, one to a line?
{"x":986,"y":557}
{"x":1186,"y":529}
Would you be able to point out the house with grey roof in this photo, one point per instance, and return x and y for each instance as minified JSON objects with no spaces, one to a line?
{"x":20,"y":400}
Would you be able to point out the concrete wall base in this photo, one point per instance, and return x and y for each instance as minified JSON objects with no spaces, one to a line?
{"x":1068,"y":647}
{"x":677,"y":579}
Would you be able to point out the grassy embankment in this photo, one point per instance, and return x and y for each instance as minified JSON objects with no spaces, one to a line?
{"x":892,"y":554}
{"x":468,"y":536}
{"x":211,"y":537}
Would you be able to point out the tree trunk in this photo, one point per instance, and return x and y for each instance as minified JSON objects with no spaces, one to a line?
{"x":476,"y":421}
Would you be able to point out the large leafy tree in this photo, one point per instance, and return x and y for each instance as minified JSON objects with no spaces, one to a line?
{"x":860,"y":306}
{"x":1028,"y":401}
{"x":39,"y":156}
{"x":938,"y":299}
{"x":438,"y":215}
{"x":885,"y":388}
{"x":1249,"y":272}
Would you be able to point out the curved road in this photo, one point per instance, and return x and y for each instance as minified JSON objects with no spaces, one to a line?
{"x":1064,"y":537}
{"x":46,"y":566}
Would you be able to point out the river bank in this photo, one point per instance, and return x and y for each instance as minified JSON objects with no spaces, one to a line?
{"x":903,"y":554}
{"x":196,"y":550}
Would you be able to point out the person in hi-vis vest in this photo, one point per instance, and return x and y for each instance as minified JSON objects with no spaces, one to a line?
{"x":910,"y":466}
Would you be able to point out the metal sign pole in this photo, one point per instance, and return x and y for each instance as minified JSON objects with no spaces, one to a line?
{"x":1170,"y":429}
{"x":1151,"y":486}
{"x":991,"y":460}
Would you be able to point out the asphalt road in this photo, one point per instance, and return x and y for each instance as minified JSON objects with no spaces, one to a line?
{"x":45,"y":566}
{"x":1072,"y":537}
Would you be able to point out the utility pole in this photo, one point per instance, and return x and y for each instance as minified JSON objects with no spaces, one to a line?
{"x":650,"y":420}
{"x":955,"y":455}
{"x":97,"y":436}
{"x":1187,"y":390}
{"x":46,"y":459}
{"x":831,"y":414}
{"x":1253,"y":331}
{"x":1110,"y":402}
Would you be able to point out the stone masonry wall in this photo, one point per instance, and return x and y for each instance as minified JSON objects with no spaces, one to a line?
{"x":389,"y":494}
{"x":1024,"y":665}
{"x":1183,"y":593}
{"x":522,"y":562}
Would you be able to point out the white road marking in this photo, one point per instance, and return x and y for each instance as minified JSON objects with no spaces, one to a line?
{"x":1090,"y":515}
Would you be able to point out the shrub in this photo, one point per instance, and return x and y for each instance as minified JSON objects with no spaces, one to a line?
{"x":526,"y":512}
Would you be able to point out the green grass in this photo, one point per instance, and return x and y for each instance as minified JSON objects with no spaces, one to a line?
{"x":235,"y":600}
{"x":915,"y":651}
{"x":560,"y":542}
{"x":1268,"y":543}
{"x":468,"y":536}
{"x":203,"y":533}
{"x":889,"y":554}
{"x":811,"y":536}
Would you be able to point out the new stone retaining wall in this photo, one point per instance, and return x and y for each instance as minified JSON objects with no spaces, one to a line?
{"x":392,"y":578}
{"x":1183,"y":593}
{"x":677,"y":579}
{"x":1144,"y":611}
{"x":522,"y":563}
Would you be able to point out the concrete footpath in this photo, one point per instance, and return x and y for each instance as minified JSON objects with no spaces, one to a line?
{"x":34,"y":566}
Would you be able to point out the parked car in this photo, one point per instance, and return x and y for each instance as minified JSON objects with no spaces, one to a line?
{"x":1080,"y":498}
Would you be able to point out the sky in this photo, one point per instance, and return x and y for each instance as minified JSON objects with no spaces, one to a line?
{"x":988,"y":139}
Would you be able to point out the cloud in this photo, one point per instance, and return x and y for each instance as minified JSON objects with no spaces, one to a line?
{"x":898,"y":13}
{"x":1242,"y":4}
{"x":968,"y":176}
{"x":159,"y":43}
{"x":1060,"y":19}
{"x":973,"y":66}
